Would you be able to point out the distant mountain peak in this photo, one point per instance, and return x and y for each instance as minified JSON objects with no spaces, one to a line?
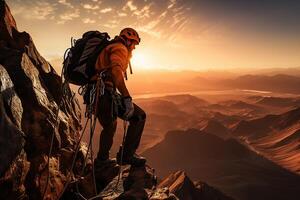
{"x":181,"y":185}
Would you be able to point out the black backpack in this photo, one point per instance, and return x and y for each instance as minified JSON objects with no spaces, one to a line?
{"x":79,"y":64}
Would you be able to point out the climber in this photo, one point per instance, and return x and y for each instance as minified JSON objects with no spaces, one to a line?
{"x":114,"y":60}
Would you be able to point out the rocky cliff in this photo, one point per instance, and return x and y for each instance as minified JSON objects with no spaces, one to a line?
{"x":36,"y":116}
{"x":29,"y":99}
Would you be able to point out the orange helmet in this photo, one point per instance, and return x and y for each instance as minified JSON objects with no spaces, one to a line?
{"x":130,"y":34}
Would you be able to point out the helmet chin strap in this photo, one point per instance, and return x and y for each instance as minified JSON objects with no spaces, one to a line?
{"x":130,"y":67}
{"x":128,"y":43}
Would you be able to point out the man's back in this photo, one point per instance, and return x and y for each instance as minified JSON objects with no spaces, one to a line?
{"x":115,"y":54}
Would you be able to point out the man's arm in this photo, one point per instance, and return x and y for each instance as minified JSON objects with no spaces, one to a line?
{"x":118,"y":77}
{"x":119,"y":62}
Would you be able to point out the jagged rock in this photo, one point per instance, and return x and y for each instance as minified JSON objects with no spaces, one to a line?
{"x":10,"y":98}
{"x":134,"y":193}
{"x":30,"y":98}
{"x":207,"y":192}
{"x":14,"y":166}
{"x":143,"y":177}
{"x":12,"y":181}
{"x":162,"y":194}
{"x":134,"y":183}
{"x":180,"y":184}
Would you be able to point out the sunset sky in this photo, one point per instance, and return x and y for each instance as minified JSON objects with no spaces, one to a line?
{"x":176,"y":34}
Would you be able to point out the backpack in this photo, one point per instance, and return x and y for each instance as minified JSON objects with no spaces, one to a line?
{"x":79,"y":64}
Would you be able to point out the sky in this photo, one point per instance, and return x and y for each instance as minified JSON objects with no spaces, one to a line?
{"x":176,"y":34}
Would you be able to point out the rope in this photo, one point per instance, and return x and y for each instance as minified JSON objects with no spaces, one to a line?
{"x":74,"y":159}
{"x":125,"y":126}
{"x":91,"y":109}
{"x":122,"y":152}
{"x":64,"y":89}
{"x":91,"y":112}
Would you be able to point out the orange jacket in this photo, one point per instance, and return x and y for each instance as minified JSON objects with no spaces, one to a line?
{"x":116,"y":57}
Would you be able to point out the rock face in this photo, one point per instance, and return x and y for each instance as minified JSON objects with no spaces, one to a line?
{"x":29,"y":102}
{"x":141,"y":183}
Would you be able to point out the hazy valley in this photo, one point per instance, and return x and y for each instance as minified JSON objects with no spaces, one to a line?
{"x":243,"y":141}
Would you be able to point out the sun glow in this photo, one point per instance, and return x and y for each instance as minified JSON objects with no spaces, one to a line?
{"x":140,"y":60}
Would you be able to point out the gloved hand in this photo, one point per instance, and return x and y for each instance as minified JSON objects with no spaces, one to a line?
{"x":129,"y":108}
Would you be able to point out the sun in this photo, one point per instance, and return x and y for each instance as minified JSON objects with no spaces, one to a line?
{"x":140,"y":60}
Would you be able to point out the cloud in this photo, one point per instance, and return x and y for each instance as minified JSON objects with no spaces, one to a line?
{"x":37,"y":10}
{"x":151,"y":28}
{"x":177,"y":18}
{"x":144,"y":12}
{"x":90,"y":7}
{"x":68,"y":16}
{"x":112,"y":24}
{"x":151,"y":32}
{"x":172,"y":4}
{"x":122,"y":14}
{"x":88,"y":21}
{"x":163,"y":15}
{"x":64,"y":2}
{"x":17,"y":9}
{"x":41,"y":11}
{"x":106,"y":10}
{"x":129,"y":5}
{"x":163,"y":21}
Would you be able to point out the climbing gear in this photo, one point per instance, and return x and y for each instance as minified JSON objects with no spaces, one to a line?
{"x":120,"y":159}
{"x":129,"y":108}
{"x":123,"y":159}
{"x":80,"y":59}
{"x":101,"y":162}
{"x":125,"y":125}
{"x":64,"y":91}
{"x":131,"y":34}
{"x":134,"y":160}
{"x":78,"y":69}
{"x":91,"y":110}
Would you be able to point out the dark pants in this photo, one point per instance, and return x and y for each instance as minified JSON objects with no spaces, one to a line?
{"x":108,"y":111}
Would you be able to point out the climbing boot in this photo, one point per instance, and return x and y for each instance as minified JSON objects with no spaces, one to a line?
{"x":134,"y":160}
{"x":104,"y":162}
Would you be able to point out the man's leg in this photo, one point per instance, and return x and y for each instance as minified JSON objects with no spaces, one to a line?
{"x":109,"y":125}
{"x":134,"y":133}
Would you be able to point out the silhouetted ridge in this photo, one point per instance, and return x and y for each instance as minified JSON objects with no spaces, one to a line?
{"x":224,"y":164}
{"x":181,"y":185}
{"x":274,"y":136}
{"x":216,"y":128}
